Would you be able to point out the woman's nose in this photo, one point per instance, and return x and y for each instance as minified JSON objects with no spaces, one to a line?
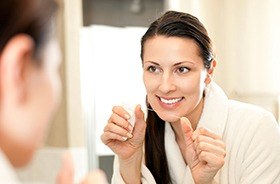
{"x":167,"y":83}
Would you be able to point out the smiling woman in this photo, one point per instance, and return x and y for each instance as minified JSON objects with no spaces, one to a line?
{"x":193,"y":133}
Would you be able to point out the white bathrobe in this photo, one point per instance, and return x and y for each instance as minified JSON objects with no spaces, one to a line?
{"x":7,"y":173}
{"x":251,"y":135}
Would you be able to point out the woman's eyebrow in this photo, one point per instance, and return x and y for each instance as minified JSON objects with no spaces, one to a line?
{"x":155,"y":63}
{"x":184,"y":62}
{"x":176,"y":64}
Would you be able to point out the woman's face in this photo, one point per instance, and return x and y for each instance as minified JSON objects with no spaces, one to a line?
{"x":174,"y":77}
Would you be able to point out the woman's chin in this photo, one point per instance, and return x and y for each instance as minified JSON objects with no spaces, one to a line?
{"x":169,"y":117}
{"x":23,"y":159}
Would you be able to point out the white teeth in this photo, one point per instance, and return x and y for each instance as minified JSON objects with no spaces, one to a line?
{"x":171,"y":101}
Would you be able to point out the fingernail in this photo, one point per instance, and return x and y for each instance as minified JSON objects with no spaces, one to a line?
{"x":127,"y":116}
{"x":185,"y":120}
{"x":194,"y":136}
{"x":129,"y":135}
{"x":139,"y":106}
{"x":124,"y":138}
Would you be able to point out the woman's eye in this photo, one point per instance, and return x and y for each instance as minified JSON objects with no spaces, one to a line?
{"x":183,"y":69}
{"x":152,"y":69}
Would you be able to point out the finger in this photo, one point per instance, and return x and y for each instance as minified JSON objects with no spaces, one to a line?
{"x":215,"y":142}
{"x":187,"y":130}
{"x":206,"y":132}
{"x":116,"y":119}
{"x":66,"y":172}
{"x":121,"y":112}
{"x":107,"y":137}
{"x":111,"y":127}
{"x":140,"y":122}
{"x":203,"y":146}
{"x":139,"y":114}
{"x":211,"y":159}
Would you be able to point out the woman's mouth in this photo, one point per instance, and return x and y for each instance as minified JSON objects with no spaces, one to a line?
{"x":170,"y":101}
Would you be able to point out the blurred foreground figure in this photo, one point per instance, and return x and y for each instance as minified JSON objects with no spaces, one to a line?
{"x":29,"y":84}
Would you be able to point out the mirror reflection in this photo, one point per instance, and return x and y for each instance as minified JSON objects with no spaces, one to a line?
{"x":244,"y":37}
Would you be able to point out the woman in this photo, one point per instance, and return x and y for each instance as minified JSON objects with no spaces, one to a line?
{"x":193,"y":133}
{"x":29,"y":83}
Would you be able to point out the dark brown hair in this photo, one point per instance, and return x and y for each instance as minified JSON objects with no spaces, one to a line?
{"x":30,"y":17}
{"x":171,"y":24}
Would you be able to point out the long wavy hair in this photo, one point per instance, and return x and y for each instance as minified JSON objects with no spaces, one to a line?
{"x":170,"y":24}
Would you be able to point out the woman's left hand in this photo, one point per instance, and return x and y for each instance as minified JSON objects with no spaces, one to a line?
{"x":205,"y":152}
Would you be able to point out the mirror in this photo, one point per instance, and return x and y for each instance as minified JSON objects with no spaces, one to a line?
{"x":244,"y":33}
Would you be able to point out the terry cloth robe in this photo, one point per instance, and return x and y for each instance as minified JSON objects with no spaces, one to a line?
{"x":251,"y":135}
{"x":7,"y":173}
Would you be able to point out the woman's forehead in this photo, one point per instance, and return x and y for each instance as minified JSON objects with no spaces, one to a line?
{"x":174,"y":49}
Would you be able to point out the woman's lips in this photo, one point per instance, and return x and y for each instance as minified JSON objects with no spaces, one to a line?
{"x":169,"y":103}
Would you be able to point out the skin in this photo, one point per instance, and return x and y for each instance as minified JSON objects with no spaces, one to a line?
{"x":130,"y":150}
{"x":175,"y":78}
{"x":173,"y":69}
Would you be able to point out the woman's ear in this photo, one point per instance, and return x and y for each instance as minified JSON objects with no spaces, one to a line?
{"x":14,"y":61}
{"x":210,"y":72}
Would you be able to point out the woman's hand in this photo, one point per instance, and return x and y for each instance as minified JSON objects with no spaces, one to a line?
{"x":120,"y":136}
{"x":205,"y":152}
{"x":126,"y":142}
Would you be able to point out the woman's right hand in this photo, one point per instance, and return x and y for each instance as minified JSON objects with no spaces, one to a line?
{"x":120,"y":136}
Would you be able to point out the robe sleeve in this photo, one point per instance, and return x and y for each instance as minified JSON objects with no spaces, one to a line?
{"x":146,"y":175}
{"x":261,"y":163}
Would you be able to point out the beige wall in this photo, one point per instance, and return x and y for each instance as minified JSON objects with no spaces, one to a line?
{"x":68,"y":129}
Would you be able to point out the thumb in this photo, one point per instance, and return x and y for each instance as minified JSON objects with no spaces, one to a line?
{"x":140,"y":123}
{"x":190,"y":154}
{"x":187,"y":129}
{"x":66,"y":173}
{"x":139,"y":115}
